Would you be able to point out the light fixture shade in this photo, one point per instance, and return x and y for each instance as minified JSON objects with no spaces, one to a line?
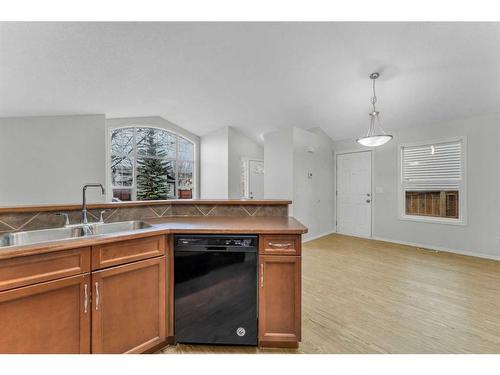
{"x":374,"y":140}
{"x":376,"y":136}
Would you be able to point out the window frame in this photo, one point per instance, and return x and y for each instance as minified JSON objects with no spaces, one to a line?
{"x":462,"y":190}
{"x":134,"y":155}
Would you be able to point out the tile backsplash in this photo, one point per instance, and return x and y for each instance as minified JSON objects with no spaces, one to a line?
{"x":21,"y":221}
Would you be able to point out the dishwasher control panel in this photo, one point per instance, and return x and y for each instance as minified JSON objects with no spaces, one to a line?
{"x":207,"y":241}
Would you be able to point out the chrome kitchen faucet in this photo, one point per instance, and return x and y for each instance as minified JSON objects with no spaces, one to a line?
{"x":84,"y":203}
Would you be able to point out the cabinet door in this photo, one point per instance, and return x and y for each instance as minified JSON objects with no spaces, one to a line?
{"x":128,"y":307}
{"x":279,"y":300}
{"x":50,"y":317}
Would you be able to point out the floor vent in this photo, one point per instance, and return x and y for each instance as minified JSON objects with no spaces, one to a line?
{"x":428,"y":250}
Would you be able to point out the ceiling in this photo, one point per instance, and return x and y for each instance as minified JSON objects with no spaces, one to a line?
{"x":256,"y":77}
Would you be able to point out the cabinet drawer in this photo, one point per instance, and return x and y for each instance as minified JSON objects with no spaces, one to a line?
{"x":121,"y":252}
{"x":33,"y":269}
{"x":280,"y":245}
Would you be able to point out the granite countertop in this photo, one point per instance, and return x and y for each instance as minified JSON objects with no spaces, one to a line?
{"x":169,"y":225}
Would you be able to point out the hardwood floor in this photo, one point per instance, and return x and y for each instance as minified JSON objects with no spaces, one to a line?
{"x":365,"y":296}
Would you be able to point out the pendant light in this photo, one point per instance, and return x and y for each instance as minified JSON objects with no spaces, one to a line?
{"x":374,"y":137}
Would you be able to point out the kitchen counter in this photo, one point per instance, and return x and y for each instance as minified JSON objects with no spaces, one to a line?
{"x":115,"y":293}
{"x":169,"y":225}
{"x":230,"y":224}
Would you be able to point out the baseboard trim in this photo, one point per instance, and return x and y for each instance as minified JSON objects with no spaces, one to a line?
{"x":439,"y":248}
{"x":426,"y":246}
{"x":318,"y":236}
{"x":279,"y":344}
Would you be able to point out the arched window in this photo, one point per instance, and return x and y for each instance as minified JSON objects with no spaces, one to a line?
{"x":150,"y":163}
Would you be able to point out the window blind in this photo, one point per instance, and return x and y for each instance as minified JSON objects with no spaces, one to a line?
{"x":432,"y":166}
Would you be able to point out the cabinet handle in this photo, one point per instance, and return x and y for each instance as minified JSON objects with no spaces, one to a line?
{"x":97,"y":296}
{"x":262,"y":275}
{"x":279,"y":245}
{"x":85,"y":298}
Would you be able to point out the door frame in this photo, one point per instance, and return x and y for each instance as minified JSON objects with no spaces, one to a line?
{"x":246,"y":184}
{"x":372,"y":196}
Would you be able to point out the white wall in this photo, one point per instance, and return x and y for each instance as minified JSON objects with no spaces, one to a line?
{"x":239,"y":146}
{"x":159,"y":122}
{"x":221,"y":154}
{"x":46,"y":160}
{"x":289,"y":156}
{"x":278,"y":165}
{"x":214,"y":164}
{"x":313,"y":197}
{"x":481,"y":234}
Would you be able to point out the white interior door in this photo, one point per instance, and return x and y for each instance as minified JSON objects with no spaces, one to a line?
{"x":256,"y":179}
{"x":354,"y":193}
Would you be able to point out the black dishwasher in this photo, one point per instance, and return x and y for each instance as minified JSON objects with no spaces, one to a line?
{"x":215,"y":289}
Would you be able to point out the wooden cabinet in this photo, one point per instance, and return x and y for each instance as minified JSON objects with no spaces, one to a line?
{"x":279,"y":300}
{"x":51,"y":303}
{"x":129,"y":307}
{"x":49,"y":317}
{"x":280,"y":290}
{"x":118,"y":297}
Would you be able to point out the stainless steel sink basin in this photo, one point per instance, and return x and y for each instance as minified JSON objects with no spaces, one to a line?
{"x":120,"y":226}
{"x":36,"y":236}
{"x":47,"y":235}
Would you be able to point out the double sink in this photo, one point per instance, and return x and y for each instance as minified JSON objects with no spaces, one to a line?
{"x":73,"y":231}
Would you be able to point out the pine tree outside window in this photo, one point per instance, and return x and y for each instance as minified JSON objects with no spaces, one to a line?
{"x":150,"y":163}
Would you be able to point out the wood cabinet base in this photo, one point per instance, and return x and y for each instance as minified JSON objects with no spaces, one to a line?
{"x":118,"y":297}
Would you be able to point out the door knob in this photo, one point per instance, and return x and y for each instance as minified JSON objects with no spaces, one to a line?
{"x":368,"y":201}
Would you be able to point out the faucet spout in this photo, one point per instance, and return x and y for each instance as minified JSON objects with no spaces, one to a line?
{"x":84,"y":200}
